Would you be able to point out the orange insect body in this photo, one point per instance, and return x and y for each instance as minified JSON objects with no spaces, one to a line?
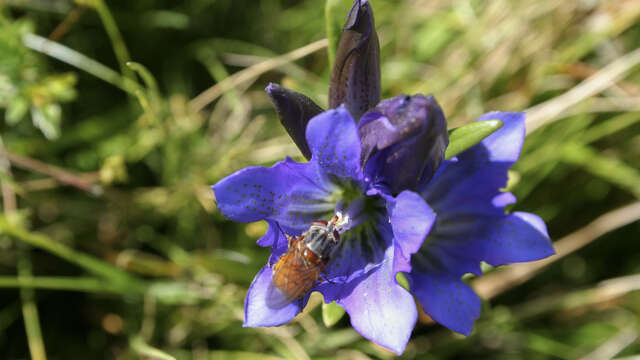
{"x":300,"y":268}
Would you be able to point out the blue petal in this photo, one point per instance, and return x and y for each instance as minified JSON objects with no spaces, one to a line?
{"x":457,"y":245}
{"x":361,"y":250}
{"x":271,"y":236}
{"x":470,"y":182}
{"x":290,"y":193}
{"x":447,"y":300}
{"x":465,"y":193}
{"x":471,"y":224}
{"x":506,"y":143}
{"x":335,"y":143}
{"x":411,"y":220}
{"x":276,"y":239}
{"x":257,"y":309}
{"x":518,"y":237}
{"x":380,"y":309}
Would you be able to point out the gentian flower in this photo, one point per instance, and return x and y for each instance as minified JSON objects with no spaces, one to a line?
{"x":434,"y":234}
{"x":409,"y":210}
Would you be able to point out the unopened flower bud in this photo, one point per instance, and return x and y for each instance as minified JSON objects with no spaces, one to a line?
{"x":403,"y":141}
{"x":355,"y":78}
{"x":295,"y":110}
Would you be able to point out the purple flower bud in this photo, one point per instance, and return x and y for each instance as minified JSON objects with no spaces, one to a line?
{"x":295,"y":110}
{"x":355,"y":78}
{"x":403,"y":142}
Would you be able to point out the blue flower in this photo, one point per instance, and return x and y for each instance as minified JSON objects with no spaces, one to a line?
{"x":410,"y":211}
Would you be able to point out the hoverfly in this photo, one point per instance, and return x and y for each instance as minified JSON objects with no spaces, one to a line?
{"x":299,"y":269}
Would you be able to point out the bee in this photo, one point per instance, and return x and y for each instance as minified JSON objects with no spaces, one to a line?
{"x":299,"y":269}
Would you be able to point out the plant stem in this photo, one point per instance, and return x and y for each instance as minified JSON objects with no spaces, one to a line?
{"x":82,"y":284}
{"x":84,"y":182}
{"x":119,"y":47}
{"x":116,"y":276}
{"x":30,"y":310}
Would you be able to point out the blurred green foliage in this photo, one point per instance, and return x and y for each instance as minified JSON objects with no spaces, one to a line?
{"x":107,"y":213}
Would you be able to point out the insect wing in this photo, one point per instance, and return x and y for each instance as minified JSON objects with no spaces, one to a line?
{"x":276,"y":298}
{"x":292,"y":279}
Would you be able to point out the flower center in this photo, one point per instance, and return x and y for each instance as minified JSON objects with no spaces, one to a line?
{"x":362,"y":242}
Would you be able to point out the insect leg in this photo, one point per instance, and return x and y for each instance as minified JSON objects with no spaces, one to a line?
{"x":289,"y":240}
{"x":324,"y":278}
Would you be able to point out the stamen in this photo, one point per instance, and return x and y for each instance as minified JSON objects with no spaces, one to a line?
{"x":339,"y":221}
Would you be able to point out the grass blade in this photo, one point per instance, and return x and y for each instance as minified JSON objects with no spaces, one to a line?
{"x":80,"y":61}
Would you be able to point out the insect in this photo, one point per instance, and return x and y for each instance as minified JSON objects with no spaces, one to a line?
{"x":298,"y":269}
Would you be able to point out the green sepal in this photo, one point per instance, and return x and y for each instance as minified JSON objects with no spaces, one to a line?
{"x":401,"y":279}
{"x":331,"y":313}
{"x":464,"y":137}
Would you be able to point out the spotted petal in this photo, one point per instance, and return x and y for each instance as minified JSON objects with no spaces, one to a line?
{"x":380,"y":309}
{"x":335,"y":144}
{"x":290,"y":193}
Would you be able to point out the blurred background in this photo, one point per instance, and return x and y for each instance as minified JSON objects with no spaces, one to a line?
{"x":116,"y":116}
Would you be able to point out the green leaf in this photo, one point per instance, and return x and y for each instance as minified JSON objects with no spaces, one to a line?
{"x":331,"y":313}
{"x":464,"y":137}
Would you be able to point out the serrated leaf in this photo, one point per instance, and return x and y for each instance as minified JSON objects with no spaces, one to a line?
{"x":331,"y":313}
{"x":464,"y":137}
